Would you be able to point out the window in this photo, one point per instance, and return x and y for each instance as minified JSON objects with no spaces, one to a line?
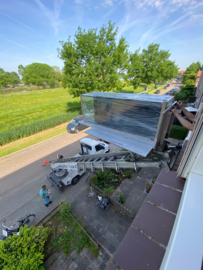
{"x":99,"y":147}
{"x":87,"y":146}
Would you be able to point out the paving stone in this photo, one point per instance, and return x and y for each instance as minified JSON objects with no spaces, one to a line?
{"x":68,"y":260}
{"x":89,"y":255}
{"x":50,"y":268}
{"x":98,"y":261}
{"x":84,"y":264}
{"x":62,"y":266}
{"x":90,"y":268}
{"x":73,"y":266}
{"x":73,"y":254}
{"x":112,"y":239}
{"x":112,"y":249}
{"x":91,"y":219}
{"x":106,"y":258}
{"x":61,"y":258}
{"x":102,"y":266}
{"x":55,"y":264}
{"x":50,"y":261}
{"x":82,"y":253}
{"x":78,"y":260}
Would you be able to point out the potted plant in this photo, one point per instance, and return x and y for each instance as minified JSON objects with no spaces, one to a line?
{"x":148,"y":187}
{"x":154,"y":178}
{"x":121,"y":198}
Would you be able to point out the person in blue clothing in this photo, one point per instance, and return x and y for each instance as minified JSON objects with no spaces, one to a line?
{"x":44,"y":193}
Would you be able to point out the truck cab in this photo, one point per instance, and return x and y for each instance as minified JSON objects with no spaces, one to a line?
{"x":92,"y":147}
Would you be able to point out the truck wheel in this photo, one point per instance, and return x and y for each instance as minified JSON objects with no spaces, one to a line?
{"x":75,"y":180}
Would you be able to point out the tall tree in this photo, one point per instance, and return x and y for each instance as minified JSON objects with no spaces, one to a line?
{"x":94,"y":61}
{"x":191,"y":72}
{"x":58,"y":73}
{"x":13,"y":77}
{"x":150,"y":65}
{"x":21,"y":70}
{"x":37,"y":74}
{"x":4,"y":78}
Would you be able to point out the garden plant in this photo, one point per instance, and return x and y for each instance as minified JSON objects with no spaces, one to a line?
{"x":24,"y":251}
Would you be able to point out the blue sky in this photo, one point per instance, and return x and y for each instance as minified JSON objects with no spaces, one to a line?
{"x":30,"y":30}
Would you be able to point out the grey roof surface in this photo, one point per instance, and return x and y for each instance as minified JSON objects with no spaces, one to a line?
{"x":146,"y":98}
{"x":137,"y":252}
{"x":170,"y":179}
{"x":128,"y":141}
{"x":165,"y":197}
{"x":155,"y":222}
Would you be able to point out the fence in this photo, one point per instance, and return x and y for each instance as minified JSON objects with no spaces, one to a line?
{"x":116,"y":203}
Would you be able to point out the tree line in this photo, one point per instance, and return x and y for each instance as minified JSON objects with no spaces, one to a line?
{"x":35,"y":73}
{"x":98,"y":61}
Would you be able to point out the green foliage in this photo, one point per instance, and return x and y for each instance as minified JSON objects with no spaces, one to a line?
{"x":4,"y":78}
{"x":24,"y":251}
{"x":13,"y":77}
{"x":121,"y":198}
{"x":94,"y":61}
{"x":178,"y":132}
{"x":38,"y":74}
{"x":58,"y":73}
{"x":191,"y":72}
{"x":150,"y":66}
{"x":32,"y":128}
{"x":65,"y":208}
{"x":154,"y":178}
{"x":109,"y":190}
{"x":71,"y":236}
{"x":129,"y":173}
{"x":185,"y":93}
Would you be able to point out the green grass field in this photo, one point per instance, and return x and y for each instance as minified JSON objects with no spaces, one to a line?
{"x":18,"y":109}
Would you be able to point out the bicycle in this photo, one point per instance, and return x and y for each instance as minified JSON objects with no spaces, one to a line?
{"x":8,"y":231}
{"x":91,"y":194}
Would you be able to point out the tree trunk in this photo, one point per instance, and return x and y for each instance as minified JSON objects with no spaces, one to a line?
{"x":147,"y":89}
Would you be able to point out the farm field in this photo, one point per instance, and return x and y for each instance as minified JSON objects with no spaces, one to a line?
{"x":18,"y":109}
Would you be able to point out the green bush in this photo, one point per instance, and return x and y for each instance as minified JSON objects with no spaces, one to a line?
{"x":178,"y":132}
{"x":24,"y":251}
{"x":109,"y":190}
{"x":121,"y":198}
{"x":32,"y":128}
{"x":129,"y":173}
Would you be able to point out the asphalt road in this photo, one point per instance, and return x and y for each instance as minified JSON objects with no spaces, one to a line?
{"x":22,"y":174}
{"x":172,"y":85}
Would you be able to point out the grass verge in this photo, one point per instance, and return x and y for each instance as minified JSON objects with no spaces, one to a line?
{"x":31,"y":140}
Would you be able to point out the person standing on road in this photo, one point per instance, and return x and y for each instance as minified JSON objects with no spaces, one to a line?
{"x":44,"y":193}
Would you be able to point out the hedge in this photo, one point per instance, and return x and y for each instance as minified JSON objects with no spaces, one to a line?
{"x":24,"y":251}
{"x":178,"y":132}
{"x":32,"y":128}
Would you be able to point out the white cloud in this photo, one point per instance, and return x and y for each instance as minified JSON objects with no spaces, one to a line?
{"x":107,"y":3}
{"x":53,"y":16}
